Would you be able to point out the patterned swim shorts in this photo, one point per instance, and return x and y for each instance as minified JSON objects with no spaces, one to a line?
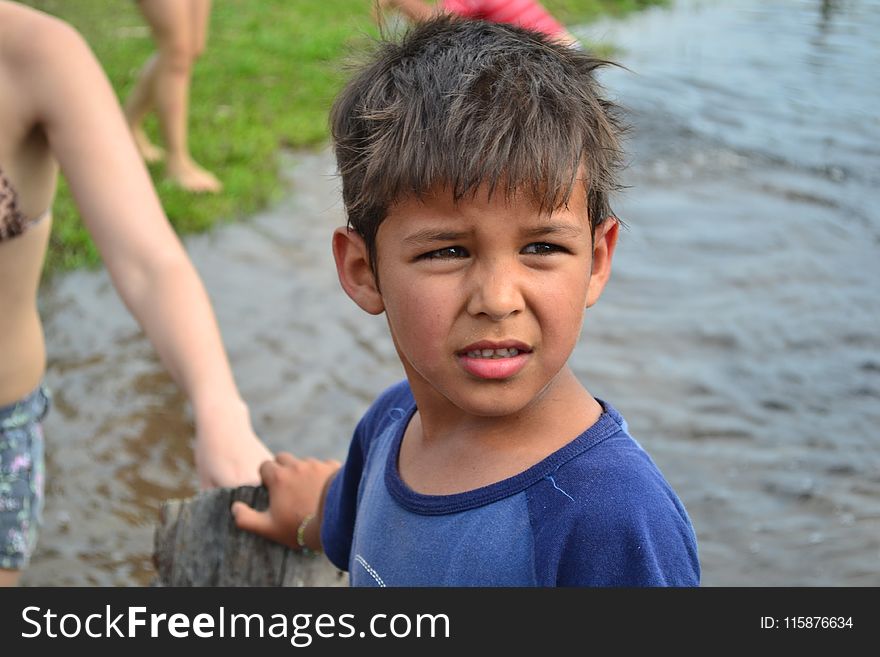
{"x":21,"y":477}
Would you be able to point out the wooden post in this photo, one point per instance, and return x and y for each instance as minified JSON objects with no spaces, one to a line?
{"x":197,"y":544}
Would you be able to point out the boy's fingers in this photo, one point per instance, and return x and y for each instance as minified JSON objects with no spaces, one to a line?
{"x":285,"y":458}
{"x":248,"y":519}
{"x":268,"y":473}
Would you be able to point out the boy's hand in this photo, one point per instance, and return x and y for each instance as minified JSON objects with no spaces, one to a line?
{"x":295,"y":487}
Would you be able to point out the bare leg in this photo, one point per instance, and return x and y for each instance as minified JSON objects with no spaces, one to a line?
{"x":201,"y":14}
{"x":138,"y":105}
{"x":172,"y":24}
{"x":9,"y":577}
{"x":183,"y":169}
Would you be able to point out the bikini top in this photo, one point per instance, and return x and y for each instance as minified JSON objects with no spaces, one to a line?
{"x":12,"y":221}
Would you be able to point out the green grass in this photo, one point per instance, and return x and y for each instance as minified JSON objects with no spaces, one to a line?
{"x":266,"y":81}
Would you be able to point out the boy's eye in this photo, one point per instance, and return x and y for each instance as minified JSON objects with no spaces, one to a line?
{"x":541,"y":248}
{"x":446,"y":253}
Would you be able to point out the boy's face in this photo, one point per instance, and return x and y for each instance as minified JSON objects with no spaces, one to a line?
{"x":485,"y":298}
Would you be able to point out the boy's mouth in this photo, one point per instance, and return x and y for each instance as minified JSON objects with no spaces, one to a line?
{"x":494,"y":360}
{"x":490,"y":349}
{"x":492,"y":353}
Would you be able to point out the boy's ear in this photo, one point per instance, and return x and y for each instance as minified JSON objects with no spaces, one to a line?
{"x":604,"y":242}
{"x":355,"y":274}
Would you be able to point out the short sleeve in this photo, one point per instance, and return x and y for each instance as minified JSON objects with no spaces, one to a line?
{"x":340,"y":506}
{"x":644,"y":547}
{"x":615,"y":522}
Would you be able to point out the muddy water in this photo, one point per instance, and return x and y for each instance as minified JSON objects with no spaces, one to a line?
{"x":738,"y":335}
{"x":740,"y":330}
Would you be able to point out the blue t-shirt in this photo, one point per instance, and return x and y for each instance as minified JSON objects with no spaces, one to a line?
{"x":597,"y":512}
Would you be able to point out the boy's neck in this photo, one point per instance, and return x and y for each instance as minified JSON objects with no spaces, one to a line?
{"x":446,"y":451}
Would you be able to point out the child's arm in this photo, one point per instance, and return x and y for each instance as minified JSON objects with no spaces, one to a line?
{"x":297,"y":490}
{"x":69,"y":96}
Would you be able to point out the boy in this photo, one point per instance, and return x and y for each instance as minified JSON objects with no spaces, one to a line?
{"x":476,"y":162}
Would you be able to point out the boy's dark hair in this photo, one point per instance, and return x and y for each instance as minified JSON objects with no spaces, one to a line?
{"x":462,"y":103}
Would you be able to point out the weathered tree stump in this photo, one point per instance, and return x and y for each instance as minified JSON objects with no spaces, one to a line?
{"x":197,"y":544}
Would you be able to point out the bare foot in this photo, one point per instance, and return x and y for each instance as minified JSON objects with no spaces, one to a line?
{"x":191,"y":177}
{"x":149,"y":151}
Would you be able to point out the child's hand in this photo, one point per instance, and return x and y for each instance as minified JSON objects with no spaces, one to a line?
{"x":236,"y":463}
{"x":227,"y":451}
{"x":295,"y":487}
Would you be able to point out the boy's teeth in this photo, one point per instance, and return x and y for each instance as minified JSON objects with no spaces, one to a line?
{"x":493,"y":353}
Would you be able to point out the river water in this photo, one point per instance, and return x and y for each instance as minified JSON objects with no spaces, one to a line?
{"x":739,"y":333}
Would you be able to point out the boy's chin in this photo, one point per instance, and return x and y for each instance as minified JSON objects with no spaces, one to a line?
{"x":484,"y":398}
{"x":497,"y":400}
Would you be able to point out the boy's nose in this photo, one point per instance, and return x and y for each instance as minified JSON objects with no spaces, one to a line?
{"x":495,"y":293}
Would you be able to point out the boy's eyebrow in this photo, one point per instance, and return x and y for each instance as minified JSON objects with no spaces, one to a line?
{"x":428,"y":235}
{"x":570,"y":230}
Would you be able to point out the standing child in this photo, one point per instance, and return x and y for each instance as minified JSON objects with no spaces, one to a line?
{"x":180,"y":30}
{"x":477,"y":161}
{"x":525,"y":13}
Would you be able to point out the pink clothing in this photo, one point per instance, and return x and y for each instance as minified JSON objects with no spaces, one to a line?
{"x":524,"y":13}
